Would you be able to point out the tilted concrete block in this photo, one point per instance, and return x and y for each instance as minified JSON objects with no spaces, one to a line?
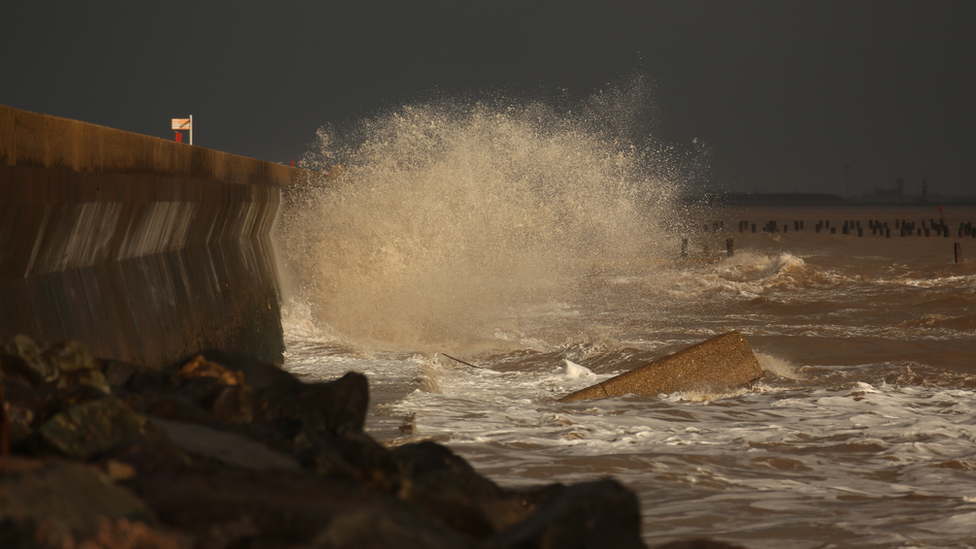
{"x":718,"y":364}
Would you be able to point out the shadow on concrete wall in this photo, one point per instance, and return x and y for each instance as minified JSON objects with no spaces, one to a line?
{"x":157,"y":308}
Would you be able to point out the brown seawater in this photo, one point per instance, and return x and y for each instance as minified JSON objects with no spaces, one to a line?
{"x":862,"y":432}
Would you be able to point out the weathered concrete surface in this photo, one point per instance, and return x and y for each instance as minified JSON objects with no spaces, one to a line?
{"x":32,"y":139}
{"x":158,"y":308}
{"x":144,"y":248}
{"x":716,"y":365}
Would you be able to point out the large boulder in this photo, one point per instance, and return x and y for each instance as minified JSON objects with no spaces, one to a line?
{"x":445,"y":485}
{"x":714,"y":366}
{"x":52,"y":503}
{"x":275,"y":463}
{"x":66,"y":364}
{"x":698,"y":543}
{"x":223,"y":446}
{"x":318,"y":425}
{"x":355,"y":529}
{"x":19,"y":405}
{"x":231,"y":507}
{"x":589,"y":515}
{"x":86,"y":430}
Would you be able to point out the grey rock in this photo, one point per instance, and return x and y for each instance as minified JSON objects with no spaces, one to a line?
{"x":588,"y":515}
{"x":226,"y":447}
{"x":51,"y":503}
{"x":88,"y":429}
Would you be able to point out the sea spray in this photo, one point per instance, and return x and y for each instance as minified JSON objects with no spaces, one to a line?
{"x":446,"y":214}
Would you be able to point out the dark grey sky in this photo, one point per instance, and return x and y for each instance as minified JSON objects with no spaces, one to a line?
{"x":784,"y":94}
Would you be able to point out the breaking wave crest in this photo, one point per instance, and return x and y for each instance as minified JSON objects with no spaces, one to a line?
{"x":783,"y":270}
{"x":445,"y":213}
{"x":749,"y":274}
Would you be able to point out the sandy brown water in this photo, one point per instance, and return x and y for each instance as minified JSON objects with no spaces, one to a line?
{"x":862,"y":433}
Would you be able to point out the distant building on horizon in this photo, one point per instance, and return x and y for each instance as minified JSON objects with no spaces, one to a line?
{"x":896,"y":195}
{"x":722,"y":198}
{"x":879,"y":196}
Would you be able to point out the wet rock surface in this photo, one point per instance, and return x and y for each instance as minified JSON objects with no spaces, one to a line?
{"x":223,"y":451}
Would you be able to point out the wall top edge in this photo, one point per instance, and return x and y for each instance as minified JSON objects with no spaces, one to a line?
{"x":41,"y":140}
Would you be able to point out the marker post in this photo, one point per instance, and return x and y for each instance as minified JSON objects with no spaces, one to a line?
{"x":180,"y":124}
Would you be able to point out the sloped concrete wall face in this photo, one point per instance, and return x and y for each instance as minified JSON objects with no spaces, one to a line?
{"x":145,"y":249}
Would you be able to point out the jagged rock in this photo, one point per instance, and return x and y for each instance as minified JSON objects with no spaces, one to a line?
{"x":118,"y":373}
{"x":21,"y":356}
{"x":70,"y":356}
{"x":241,"y":508}
{"x":356,"y":529}
{"x":55,"y":400}
{"x":329,"y":418}
{"x":258,"y":375}
{"x":319,"y":424}
{"x":96,"y":426}
{"x":127,"y":534}
{"x":717,"y":365}
{"x":176,"y":408}
{"x":67,"y":363}
{"x":324,"y":458}
{"x":256,"y":427}
{"x":199,"y":366}
{"x":373,"y":462}
{"x":432,"y":467}
{"x":93,"y":378}
{"x":234,"y":404}
{"x":4,"y":422}
{"x":147,"y":383}
{"x":20,"y":404}
{"x":586,"y":515}
{"x":208,"y":385}
{"x":226,"y":447}
{"x":199,"y":390}
{"x":338,"y":407}
{"x":50,"y":503}
{"x":229,"y":385}
{"x":354,"y":456}
{"x":446,"y":486}
{"x":698,"y":544}
{"x":517,"y":505}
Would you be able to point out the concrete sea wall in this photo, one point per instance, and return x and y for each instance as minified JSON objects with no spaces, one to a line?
{"x":143,"y":248}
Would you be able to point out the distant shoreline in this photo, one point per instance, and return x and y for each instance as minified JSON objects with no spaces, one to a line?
{"x":816,"y":199}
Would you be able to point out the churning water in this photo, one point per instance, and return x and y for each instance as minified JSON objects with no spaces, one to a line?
{"x":517,"y":237}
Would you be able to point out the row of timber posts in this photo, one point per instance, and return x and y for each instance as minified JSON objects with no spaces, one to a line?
{"x":877,"y":227}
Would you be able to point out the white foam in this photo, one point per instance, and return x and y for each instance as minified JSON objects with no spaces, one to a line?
{"x":777,"y":366}
{"x":574,"y":370}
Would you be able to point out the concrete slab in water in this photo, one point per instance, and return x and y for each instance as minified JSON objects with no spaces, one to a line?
{"x":716,"y":365}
